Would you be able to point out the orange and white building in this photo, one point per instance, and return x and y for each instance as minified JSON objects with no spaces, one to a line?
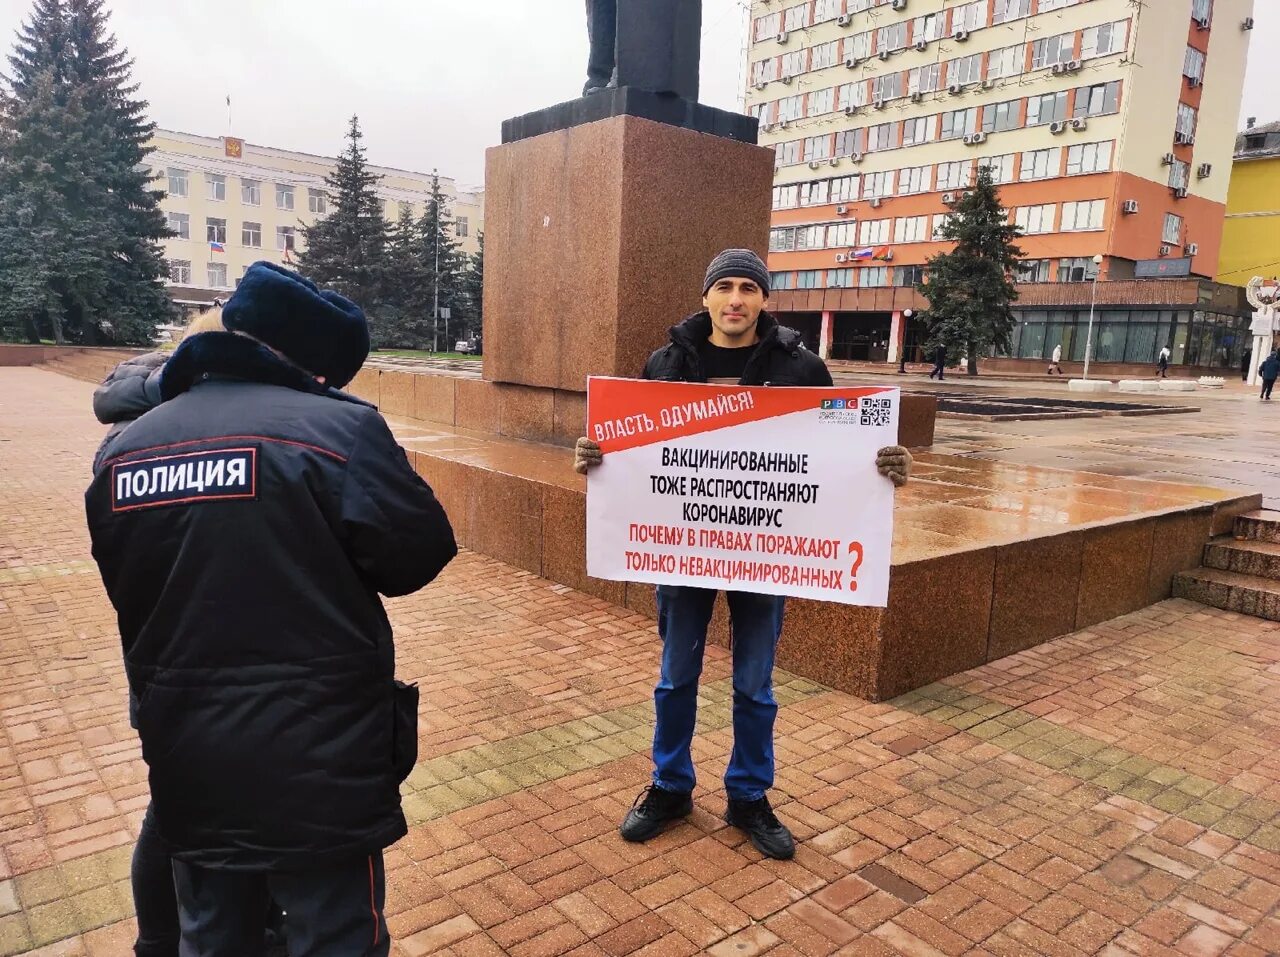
{"x":1109,"y":125}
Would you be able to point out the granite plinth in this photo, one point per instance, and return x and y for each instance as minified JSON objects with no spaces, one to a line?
{"x":665,"y":108}
{"x":988,"y":558}
{"x":598,"y":237}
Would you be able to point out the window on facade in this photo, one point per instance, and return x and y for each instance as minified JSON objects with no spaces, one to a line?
{"x":928,"y":27}
{"x":849,"y":142}
{"x":844,"y":189}
{"x":914,"y":179}
{"x":925,"y":79}
{"x":317,"y":202}
{"x":873,"y":276}
{"x":939,"y":225}
{"x":782,"y":240}
{"x":789,"y":153}
{"x":1047,"y":108}
{"x":1172,"y":232}
{"x":1186,"y":123}
{"x":796,"y":18}
{"x":1089,"y":158}
{"x":858,"y":45}
{"x":918,"y":130}
{"x":250,"y":192}
{"x":1005,"y":10}
{"x":179,"y":223}
{"x":1083,"y":216}
{"x":809,"y":279}
{"x":873,"y":232}
{"x":824,"y":101}
{"x":892,"y":37}
{"x":953,"y":176}
{"x":180,"y":272}
{"x":216,"y":273}
{"x":877,"y":184}
{"x":284,"y":196}
{"x":285,"y":238}
{"x":767,"y":27}
{"x":793,"y":64}
{"x":762,"y":71}
{"x":910,"y":229}
{"x":811,"y":237}
{"x":817,"y":148}
{"x":216,"y":186}
{"x":251,"y":235}
{"x":825,"y":10}
{"x":971,"y":16}
{"x":1097,"y":100}
{"x":1201,"y":9}
{"x":1007,"y":61}
{"x":813,"y":194}
{"x":883,"y":136}
{"x":782,"y":280}
{"x":1041,"y":164}
{"x":839,"y":278}
{"x":1035,"y":219}
{"x":908,"y":276}
{"x":958,"y":123}
{"x":215,"y":230}
{"x":1104,"y":39}
{"x":965,"y":70}
{"x":1079,"y":269}
{"x":852,"y":94}
{"x":1047,"y":5}
{"x":177,"y":182}
{"x":1193,"y":64}
{"x":824,"y":55}
{"x":1179,"y":174}
{"x":786,"y":197}
{"x":1033,"y":270}
{"x":888,"y":86}
{"x":842,"y":235}
{"x":1001,"y":168}
{"x":1047,"y":51}
{"x":462,"y":227}
{"x":791,"y":107}
{"x":998,"y":117}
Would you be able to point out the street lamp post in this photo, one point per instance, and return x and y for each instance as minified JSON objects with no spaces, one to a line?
{"x":902,"y":349}
{"x":1093,"y":303}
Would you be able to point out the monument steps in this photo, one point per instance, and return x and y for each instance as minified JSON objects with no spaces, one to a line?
{"x":1241,"y":573}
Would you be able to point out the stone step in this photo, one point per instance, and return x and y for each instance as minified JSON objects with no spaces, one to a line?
{"x":1245,"y":557}
{"x":1262,"y":525}
{"x":1230,"y":591}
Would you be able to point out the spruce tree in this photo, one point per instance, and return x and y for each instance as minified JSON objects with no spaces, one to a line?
{"x":473,"y":291}
{"x":443,"y":264}
{"x":80,"y":224}
{"x":970,"y":288}
{"x":405,"y":303}
{"x":346,"y":250}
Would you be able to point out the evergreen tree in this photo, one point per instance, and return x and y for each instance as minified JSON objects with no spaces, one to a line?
{"x":80,"y":225}
{"x":346,"y":250}
{"x":406,"y":289}
{"x":473,"y":292}
{"x":443,"y":264}
{"x":970,"y":289}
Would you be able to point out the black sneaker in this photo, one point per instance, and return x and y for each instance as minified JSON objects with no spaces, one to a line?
{"x":767,"y":833}
{"x":653,"y":809}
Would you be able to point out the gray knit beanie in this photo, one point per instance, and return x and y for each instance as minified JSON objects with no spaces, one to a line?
{"x":742,"y":263}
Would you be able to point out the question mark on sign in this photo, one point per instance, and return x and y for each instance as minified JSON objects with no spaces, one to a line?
{"x":855,"y":549}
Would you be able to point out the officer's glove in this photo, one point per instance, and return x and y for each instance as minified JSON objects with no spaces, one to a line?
{"x":586,"y":455}
{"x":894,"y":463}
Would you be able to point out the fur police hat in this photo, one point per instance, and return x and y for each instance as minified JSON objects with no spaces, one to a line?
{"x":318,"y":330}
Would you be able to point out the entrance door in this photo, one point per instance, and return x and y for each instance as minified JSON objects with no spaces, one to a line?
{"x":861,"y":336}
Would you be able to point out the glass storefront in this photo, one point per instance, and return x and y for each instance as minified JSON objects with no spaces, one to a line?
{"x":1208,"y":340}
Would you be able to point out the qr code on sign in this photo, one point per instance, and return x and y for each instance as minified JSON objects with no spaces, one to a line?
{"x":874,"y":411}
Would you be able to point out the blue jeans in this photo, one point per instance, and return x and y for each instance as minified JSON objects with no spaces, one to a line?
{"x":683,"y":616}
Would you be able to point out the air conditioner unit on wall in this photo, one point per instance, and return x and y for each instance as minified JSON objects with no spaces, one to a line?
{"x":921,"y":44}
{"x":948,"y":198}
{"x":1194,"y":81}
{"x":1180,"y":193}
{"x":855,"y":158}
{"x":815,"y":164}
{"x":1192,"y":249}
{"x":852,"y":110}
{"x":876,"y":202}
{"x":783,"y":37}
{"x":1246,"y":23}
{"x":842,"y":210}
{"x":852,"y":62}
{"x":955,"y":89}
{"x":844,"y":20}
{"x":877,"y":104}
{"x":1165,"y":250}
{"x":883,"y":54}
{"x":1168,"y":159}
{"x":899,"y":4}
{"x":1058,"y":127}
{"x":841,"y":258}
{"x":1204,"y":170}
{"x":960,"y":36}
{"x":1130,"y":206}
{"x":917,"y":97}
{"x":1202,"y":23}
{"x":834,"y":161}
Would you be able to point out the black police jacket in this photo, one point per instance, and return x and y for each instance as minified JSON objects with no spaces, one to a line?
{"x":779,"y":357}
{"x":244,"y":529}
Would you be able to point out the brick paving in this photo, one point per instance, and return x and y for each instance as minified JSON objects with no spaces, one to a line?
{"x":1116,"y":791}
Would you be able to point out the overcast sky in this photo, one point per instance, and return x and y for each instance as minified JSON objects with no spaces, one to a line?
{"x":431,"y":80}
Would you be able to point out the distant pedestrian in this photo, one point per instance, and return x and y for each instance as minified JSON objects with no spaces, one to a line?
{"x":939,"y":362}
{"x":1245,"y":358}
{"x":1269,"y":371}
{"x":1162,"y":364}
{"x":1056,"y":361}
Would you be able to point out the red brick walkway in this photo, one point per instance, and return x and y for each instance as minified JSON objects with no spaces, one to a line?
{"x":1116,"y":791}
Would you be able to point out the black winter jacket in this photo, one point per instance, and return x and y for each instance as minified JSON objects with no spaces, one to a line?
{"x":778,"y":359}
{"x":1270,"y":368}
{"x":244,"y":529}
{"x":130,"y":390}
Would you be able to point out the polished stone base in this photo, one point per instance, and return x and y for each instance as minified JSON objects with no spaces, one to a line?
{"x":662,"y":108}
{"x":988,"y":558}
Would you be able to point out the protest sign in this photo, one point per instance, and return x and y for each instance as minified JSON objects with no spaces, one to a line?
{"x":758,"y":489}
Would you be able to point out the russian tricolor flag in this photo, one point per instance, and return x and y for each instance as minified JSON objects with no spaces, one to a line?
{"x":217,"y":247}
{"x":867,"y":253}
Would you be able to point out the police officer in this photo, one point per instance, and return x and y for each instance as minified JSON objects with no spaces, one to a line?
{"x":244,"y":529}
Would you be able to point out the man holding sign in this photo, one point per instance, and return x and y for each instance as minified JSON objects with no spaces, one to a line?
{"x":734,"y":342}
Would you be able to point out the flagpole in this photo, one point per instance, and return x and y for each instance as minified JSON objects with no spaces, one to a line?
{"x":228,"y":114}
